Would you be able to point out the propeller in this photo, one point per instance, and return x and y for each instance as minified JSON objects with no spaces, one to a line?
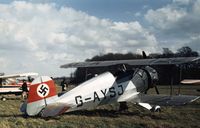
{"x":144,"y":56}
{"x":152,"y":74}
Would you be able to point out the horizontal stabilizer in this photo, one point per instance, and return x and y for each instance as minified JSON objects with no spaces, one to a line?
{"x":167,"y":100}
{"x":54,"y":109}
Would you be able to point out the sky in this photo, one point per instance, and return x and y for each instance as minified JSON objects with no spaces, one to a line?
{"x":40,"y":35}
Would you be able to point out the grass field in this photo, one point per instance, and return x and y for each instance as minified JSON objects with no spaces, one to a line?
{"x":187,"y":116}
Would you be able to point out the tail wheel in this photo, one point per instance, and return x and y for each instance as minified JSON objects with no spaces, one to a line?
{"x":3,"y":98}
{"x":40,"y":114}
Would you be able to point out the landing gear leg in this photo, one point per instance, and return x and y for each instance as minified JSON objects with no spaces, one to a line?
{"x":123,"y":106}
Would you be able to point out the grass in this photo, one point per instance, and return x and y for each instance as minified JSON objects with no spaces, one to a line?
{"x":107,"y":116}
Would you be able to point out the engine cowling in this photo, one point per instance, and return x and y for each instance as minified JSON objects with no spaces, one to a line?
{"x":152,"y":76}
{"x":145,"y":78}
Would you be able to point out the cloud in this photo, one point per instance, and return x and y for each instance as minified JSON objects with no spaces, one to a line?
{"x":194,"y":43}
{"x":163,"y":18}
{"x":41,"y":36}
{"x":176,"y":24}
{"x":182,"y":2}
{"x":3,"y":62}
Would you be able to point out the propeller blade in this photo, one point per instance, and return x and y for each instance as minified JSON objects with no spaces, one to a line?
{"x":157,"y":90}
{"x":144,"y":55}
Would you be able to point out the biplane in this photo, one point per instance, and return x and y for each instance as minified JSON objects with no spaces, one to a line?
{"x":124,"y":86}
{"x":11,"y":84}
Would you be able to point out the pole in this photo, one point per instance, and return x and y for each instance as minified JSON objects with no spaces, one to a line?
{"x":86,"y":70}
{"x":172,"y":80}
{"x":179,"y":89}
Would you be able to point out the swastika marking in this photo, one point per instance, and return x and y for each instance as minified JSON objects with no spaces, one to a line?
{"x":43,"y":90}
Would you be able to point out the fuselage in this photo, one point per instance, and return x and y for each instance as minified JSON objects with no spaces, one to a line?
{"x":103,"y":89}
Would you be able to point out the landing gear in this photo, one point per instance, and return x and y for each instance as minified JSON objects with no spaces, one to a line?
{"x":3,"y":98}
{"x":156,"y":108}
{"x":123,"y":106}
{"x":41,"y":113}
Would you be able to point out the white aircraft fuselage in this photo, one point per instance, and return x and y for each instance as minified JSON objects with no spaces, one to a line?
{"x":106,"y":88}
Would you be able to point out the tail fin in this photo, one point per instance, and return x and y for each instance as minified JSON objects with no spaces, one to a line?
{"x":42,"y":91}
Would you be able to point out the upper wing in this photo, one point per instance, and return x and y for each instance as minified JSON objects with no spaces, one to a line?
{"x":160,"y":61}
{"x":167,"y":100}
{"x":190,"y":81}
{"x":19,"y":75}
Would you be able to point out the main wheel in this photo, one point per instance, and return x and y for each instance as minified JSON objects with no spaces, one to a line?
{"x":156,"y":108}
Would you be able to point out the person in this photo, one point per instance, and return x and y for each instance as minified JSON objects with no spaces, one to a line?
{"x":63,"y":85}
{"x":30,"y":79}
{"x":24,"y":90}
{"x":1,"y":82}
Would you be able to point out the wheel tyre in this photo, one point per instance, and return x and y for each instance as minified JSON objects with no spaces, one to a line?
{"x":3,"y":99}
{"x":156,"y":109}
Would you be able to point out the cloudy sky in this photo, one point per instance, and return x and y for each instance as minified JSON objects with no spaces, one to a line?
{"x":41,"y":35}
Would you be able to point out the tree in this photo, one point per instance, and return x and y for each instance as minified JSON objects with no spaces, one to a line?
{"x":167,"y":53}
{"x":186,"y":52}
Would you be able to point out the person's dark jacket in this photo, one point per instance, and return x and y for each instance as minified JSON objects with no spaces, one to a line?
{"x":24,"y":87}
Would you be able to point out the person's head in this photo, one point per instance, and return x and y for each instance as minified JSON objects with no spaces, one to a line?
{"x":24,"y":81}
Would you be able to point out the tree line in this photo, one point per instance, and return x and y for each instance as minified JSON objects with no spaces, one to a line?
{"x":167,"y":73}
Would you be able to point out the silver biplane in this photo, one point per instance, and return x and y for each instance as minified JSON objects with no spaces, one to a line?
{"x":11,"y":84}
{"x":106,"y":88}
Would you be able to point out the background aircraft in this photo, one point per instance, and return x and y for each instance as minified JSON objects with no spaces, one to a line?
{"x":123,"y":86}
{"x":190,"y":81}
{"x":10,"y":84}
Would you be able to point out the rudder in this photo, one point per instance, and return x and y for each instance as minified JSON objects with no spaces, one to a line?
{"x":42,"y":91}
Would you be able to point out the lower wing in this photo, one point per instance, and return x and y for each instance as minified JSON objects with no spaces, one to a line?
{"x":167,"y":100}
{"x":153,"y":102}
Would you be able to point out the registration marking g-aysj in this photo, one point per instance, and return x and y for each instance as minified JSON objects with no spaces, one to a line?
{"x":111,"y":92}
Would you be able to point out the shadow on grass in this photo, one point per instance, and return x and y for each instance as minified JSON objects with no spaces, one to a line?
{"x":138,"y":112}
{"x":90,"y":113}
{"x":11,"y":115}
{"x":102,"y":113}
{"x":28,"y":117}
